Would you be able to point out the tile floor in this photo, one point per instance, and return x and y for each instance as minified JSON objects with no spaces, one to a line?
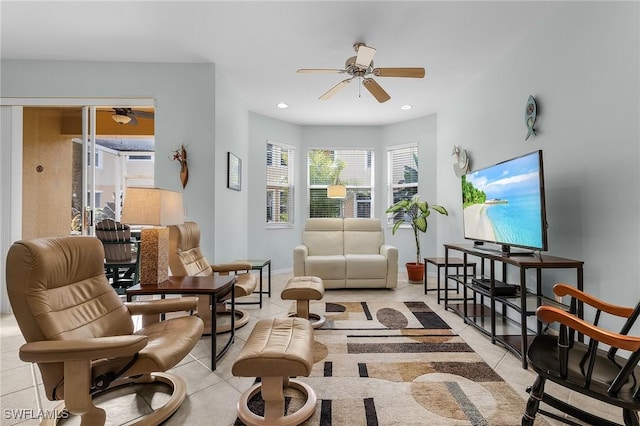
{"x":212,"y":396}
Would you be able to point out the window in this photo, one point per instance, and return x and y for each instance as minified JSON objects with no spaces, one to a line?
{"x":353,"y":168}
{"x":280,"y":161}
{"x":98,"y":157}
{"x":269,"y":154}
{"x":402,"y":174}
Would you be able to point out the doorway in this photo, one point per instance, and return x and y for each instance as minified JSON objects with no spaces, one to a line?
{"x":77,"y":161}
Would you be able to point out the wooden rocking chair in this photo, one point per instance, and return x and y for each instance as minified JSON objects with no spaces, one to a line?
{"x":600,"y":373}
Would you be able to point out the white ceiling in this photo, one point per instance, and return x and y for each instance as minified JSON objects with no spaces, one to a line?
{"x":258,"y":46}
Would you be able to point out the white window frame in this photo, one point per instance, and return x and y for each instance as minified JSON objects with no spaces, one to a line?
{"x":276,"y":163}
{"x":393,"y":186}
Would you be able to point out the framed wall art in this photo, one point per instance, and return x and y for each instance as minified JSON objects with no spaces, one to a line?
{"x":234,"y":172}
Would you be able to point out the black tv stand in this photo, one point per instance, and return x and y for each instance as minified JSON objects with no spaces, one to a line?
{"x":497,"y":303}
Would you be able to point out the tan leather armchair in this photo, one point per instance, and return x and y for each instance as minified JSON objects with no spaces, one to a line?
{"x":81,"y":334}
{"x":186,"y":259}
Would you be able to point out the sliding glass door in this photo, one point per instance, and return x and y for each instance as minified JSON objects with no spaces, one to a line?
{"x":77,"y":162}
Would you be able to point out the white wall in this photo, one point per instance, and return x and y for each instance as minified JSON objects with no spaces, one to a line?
{"x":263,"y":243}
{"x":583,"y":68}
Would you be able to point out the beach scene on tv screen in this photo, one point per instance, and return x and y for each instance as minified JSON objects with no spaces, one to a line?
{"x":502,"y":203}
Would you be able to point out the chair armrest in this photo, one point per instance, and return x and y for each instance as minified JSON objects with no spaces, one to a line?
{"x":550,"y":314}
{"x":567,"y":290}
{"x":389,"y":252}
{"x":300,"y":253}
{"x":153,"y":307}
{"x":82,"y":350}
{"x":231,"y":267}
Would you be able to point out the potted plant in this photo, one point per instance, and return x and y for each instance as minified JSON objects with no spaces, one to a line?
{"x":415,"y":212}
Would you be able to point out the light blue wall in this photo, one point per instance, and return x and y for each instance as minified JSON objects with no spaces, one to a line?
{"x":274,"y":244}
{"x":185,"y":114}
{"x":583,"y":68}
{"x":231,"y":208}
{"x":422,"y":131}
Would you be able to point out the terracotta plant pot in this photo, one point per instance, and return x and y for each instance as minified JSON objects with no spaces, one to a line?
{"x":415,"y":272}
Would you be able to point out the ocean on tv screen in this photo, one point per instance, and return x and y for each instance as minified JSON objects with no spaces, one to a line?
{"x":502,"y":203}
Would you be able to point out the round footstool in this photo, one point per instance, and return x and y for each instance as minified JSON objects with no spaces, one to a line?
{"x":302,"y":290}
{"x":275,"y":350}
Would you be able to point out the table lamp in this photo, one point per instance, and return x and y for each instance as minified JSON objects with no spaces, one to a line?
{"x":158,"y":208}
{"x":338,"y":191}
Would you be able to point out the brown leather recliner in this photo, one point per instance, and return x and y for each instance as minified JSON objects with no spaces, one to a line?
{"x":186,"y":259}
{"x":81,"y":335}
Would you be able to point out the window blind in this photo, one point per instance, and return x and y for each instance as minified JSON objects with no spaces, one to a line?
{"x":353,"y":168}
{"x":280,"y":184}
{"x":402,"y":174}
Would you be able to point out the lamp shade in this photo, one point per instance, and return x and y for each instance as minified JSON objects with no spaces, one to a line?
{"x":152,"y":206}
{"x":336,"y":191}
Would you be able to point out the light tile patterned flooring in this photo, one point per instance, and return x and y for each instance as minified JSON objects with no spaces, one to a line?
{"x":212,"y":396}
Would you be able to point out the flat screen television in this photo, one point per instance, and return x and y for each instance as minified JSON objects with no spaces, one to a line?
{"x":504,"y":204}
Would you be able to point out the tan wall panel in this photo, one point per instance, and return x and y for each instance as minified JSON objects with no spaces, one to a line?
{"x":46,"y":204}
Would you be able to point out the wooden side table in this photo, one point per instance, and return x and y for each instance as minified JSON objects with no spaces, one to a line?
{"x":439,"y":262}
{"x":214,"y":286}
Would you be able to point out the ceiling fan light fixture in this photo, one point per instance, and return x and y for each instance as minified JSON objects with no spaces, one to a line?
{"x":121,"y":118}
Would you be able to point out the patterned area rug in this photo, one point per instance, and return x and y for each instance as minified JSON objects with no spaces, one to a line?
{"x":399,"y":363}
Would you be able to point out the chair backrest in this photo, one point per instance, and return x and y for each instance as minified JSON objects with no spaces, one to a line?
{"x":185,"y":255}
{"x":58,"y":291}
{"x":112,"y":233}
{"x":324,"y":236}
{"x":362,"y":236}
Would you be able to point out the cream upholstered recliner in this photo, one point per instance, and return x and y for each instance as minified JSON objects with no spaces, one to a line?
{"x":346,"y":253}
{"x":81,"y":335}
{"x":186,"y":259}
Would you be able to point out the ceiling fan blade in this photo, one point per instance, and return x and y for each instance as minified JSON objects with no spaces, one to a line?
{"x":319,"y":71}
{"x":143,"y":114}
{"x":374,"y":88}
{"x":335,"y":89}
{"x":365,"y":56}
{"x":399,"y":72}
{"x":134,"y":120}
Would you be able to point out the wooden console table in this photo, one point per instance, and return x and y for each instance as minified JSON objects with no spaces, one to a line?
{"x":518,"y":297}
{"x":214,"y":286}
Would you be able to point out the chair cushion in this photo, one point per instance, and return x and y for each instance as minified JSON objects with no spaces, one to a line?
{"x":366,"y":266}
{"x":277,"y":347}
{"x":169,"y":342}
{"x":362,"y":236}
{"x":185,"y":255}
{"x":327,"y":267}
{"x":303,"y":288}
{"x":323,"y":236}
{"x":245,"y":284}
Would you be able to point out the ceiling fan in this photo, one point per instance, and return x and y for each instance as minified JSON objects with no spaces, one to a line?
{"x":361,"y":66}
{"x":128,"y":115}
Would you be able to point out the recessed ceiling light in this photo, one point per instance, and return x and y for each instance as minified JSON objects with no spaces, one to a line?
{"x":406,"y":107}
{"x":282,"y":105}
